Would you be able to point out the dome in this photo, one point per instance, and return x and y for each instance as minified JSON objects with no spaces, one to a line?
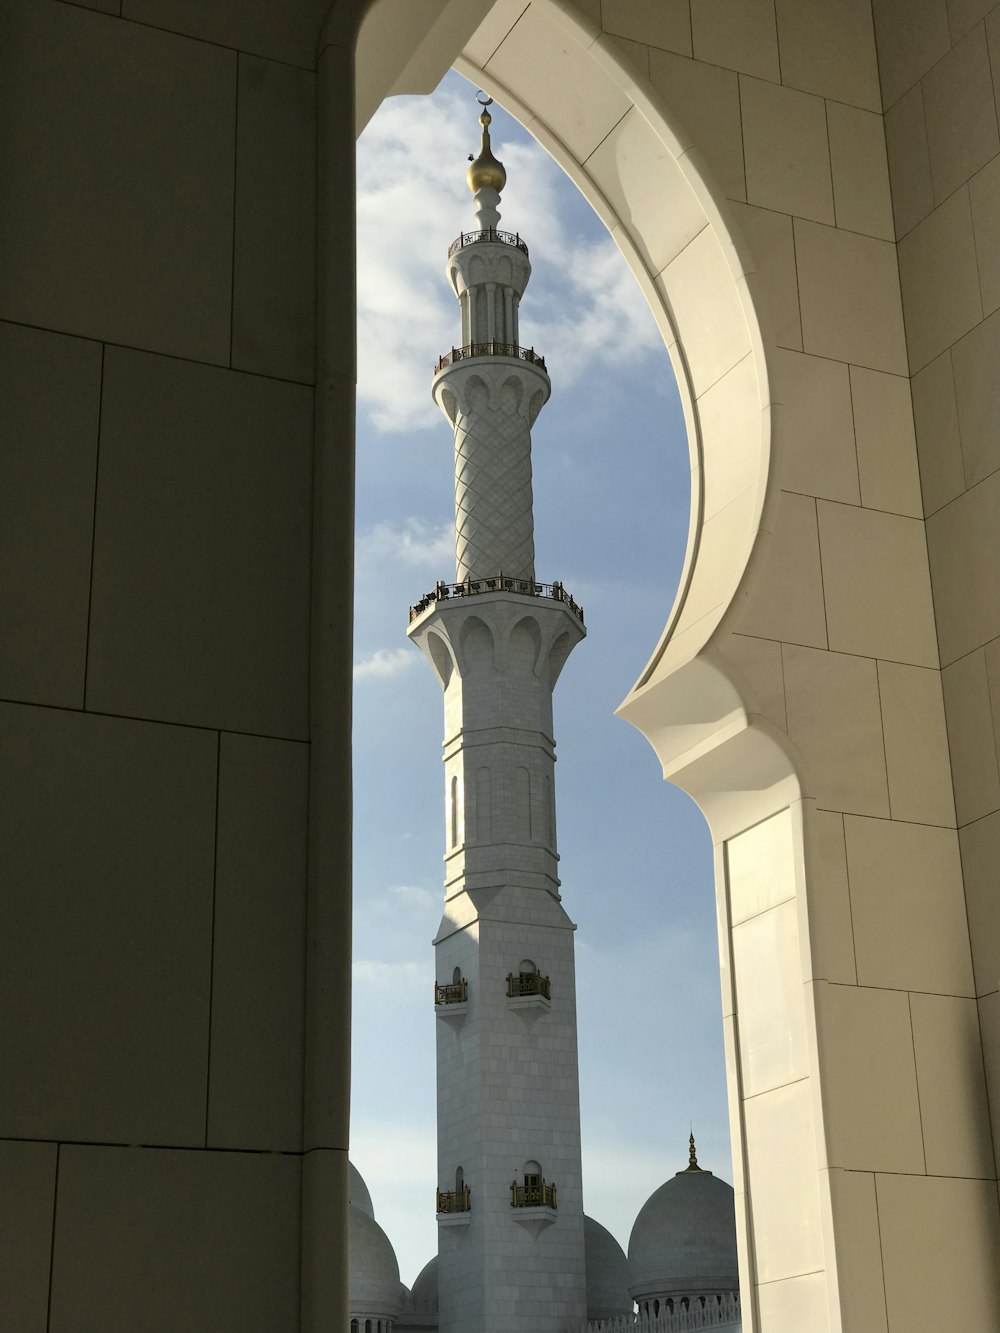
{"x":373,"y":1272}
{"x":683,"y":1242}
{"x":607,"y":1273}
{"x":424,"y":1292}
{"x":357,"y":1190}
{"x":486,"y":173}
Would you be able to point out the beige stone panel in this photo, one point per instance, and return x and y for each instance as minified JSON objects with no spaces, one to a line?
{"x":989,"y":1027}
{"x":971,"y":738}
{"x":980,"y":842}
{"x":707,"y":100}
{"x":876,"y":583}
{"x":887,"y":447}
{"x":47,"y":473}
{"x":916,"y":744}
{"x":965,"y":14}
{"x":274,"y":266}
{"x":939,"y":280}
{"x":723,"y":411}
{"x":738,"y":34}
{"x":831,"y":929}
{"x":163,"y":1240}
{"x":975,"y":359}
{"x":108,"y":845}
{"x":835,"y":720}
{"x":759,"y":662}
{"x":961,"y":118}
{"x":760,"y":867}
{"x":993,"y":679}
{"x":952,"y":1087}
{"x":788,"y":595}
{"x":539,"y":54}
{"x":288,"y":31}
{"x":496,"y":24}
{"x":993,"y":45}
{"x":259,"y":946}
{"x":781,"y":1154}
{"x":908,"y":906}
{"x":829,"y":50}
{"x":934,"y":1229}
{"x":27,"y":1192}
{"x":935,"y":418}
{"x":860,"y":171}
{"x":849,"y":291}
{"x":869,"y":1079}
{"x":795,"y":1302}
{"x":703,"y":297}
{"x":647,"y":190}
{"x":201,"y":562}
{"x":859,"y":1267}
{"x":909,"y":161}
{"x":912,"y":36}
{"x":787,"y":152}
{"x":770,"y":241}
{"x":663,"y":23}
{"x":814,"y":426}
{"x":984,"y":194}
{"x":635,"y":53}
{"x":127,"y":234}
{"x":963,"y":541}
{"x":768,"y":974}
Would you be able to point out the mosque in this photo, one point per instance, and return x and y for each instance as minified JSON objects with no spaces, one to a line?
{"x":515,"y":1249}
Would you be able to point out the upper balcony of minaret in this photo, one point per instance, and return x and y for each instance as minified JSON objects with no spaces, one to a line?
{"x":488,"y":255}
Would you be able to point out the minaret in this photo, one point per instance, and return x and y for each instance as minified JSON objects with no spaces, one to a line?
{"x":510,"y":1208}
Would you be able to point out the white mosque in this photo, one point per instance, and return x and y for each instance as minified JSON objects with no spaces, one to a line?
{"x":516,"y":1254}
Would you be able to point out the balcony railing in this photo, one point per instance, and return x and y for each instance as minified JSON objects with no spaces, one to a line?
{"x":528,"y":983}
{"x":489,"y":349}
{"x":499,"y":583}
{"x":454,"y":1201}
{"x":488,"y":234}
{"x":455,"y":992}
{"x":532,"y":1196}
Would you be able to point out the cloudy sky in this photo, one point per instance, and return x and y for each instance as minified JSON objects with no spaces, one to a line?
{"x":611,"y":476}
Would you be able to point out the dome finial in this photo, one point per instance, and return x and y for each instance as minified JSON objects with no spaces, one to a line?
{"x":485,"y":172}
{"x":692,"y":1154}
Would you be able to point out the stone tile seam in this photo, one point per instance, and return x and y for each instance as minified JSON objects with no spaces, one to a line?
{"x":190,"y":37}
{"x":889,"y":819}
{"x":861,"y":657}
{"x":157,"y":722}
{"x":896,"y":990}
{"x":920,"y":77}
{"x":165,"y":1147}
{"x":968,"y":490}
{"x":167,"y":356}
{"x":52,"y":1239}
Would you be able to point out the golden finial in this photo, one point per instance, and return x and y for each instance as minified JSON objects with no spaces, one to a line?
{"x":692,"y":1155}
{"x":485,"y":172}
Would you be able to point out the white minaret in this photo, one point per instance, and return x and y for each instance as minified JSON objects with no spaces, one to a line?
{"x":510,"y":1207}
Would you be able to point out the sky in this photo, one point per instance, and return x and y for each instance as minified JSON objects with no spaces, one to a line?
{"x":611,"y":502}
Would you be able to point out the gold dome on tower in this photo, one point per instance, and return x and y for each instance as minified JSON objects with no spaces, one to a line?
{"x":485,"y":172}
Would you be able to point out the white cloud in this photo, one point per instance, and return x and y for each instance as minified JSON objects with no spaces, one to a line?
{"x":385,"y":663}
{"x":415,"y":543}
{"x":415,"y":896}
{"x":583,"y":310}
{"x":388,"y":976}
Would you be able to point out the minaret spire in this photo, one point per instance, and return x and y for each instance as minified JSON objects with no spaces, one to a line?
{"x":510,"y":1197}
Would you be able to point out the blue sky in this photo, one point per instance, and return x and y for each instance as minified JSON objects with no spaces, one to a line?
{"x":611,"y":485}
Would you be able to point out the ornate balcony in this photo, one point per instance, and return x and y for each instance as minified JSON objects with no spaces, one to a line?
{"x":537,"y":1195}
{"x":489,"y":349}
{"x":483,"y":237}
{"x":454,"y":1201}
{"x":452,"y":992}
{"x":499,"y":583}
{"x":528,"y":983}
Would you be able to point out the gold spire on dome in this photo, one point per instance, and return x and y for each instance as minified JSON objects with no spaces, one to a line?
{"x":485,"y":173}
{"x":692,"y":1156}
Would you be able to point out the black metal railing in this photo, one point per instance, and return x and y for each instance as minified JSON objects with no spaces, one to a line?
{"x":489,"y":349}
{"x":454,"y":992}
{"x":487,"y":234}
{"x":532,"y":1196}
{"x":454,"y":1201}
{"x":499,"y":583}
{"x":528,"y":983}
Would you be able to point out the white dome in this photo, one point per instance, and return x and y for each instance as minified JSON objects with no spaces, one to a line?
{"x":373,"y":1273}
{"x":607,"y":1273}
{"x":683,"y":1242}
{"x":424,"y":1292}
{"x":357,"y":1190}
